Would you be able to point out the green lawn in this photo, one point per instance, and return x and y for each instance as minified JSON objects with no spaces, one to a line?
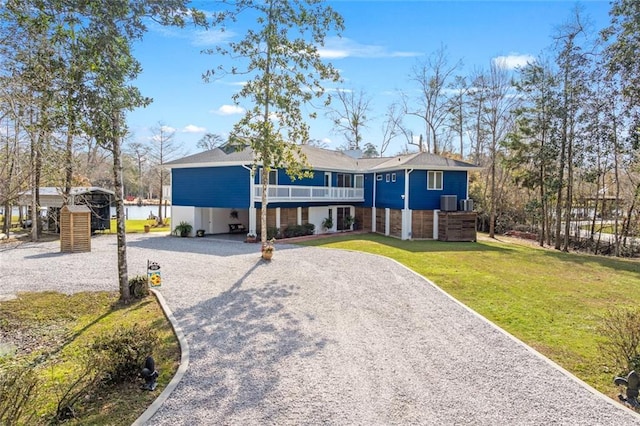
{"x":551,"y":300}
{"x":137,"y":226}
{"x":54,"y":331}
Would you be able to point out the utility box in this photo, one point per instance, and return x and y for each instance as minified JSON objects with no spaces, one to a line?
{"x":466,"y":205}
{"x":75,"y":229}
{"x":448,"y":203}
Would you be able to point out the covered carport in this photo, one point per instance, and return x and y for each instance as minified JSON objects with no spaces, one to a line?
{"x":98,"y":200}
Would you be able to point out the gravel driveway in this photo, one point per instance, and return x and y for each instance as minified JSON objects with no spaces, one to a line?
{"x":320,"y":336}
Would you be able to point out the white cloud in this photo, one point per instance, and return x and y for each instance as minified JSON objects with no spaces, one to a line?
{"x":228,"y":110}
{"x":339,"y":48}
{"x":211,"y":37}
{"x":192,"y":128}
{"x":513,"y":60}
{"x":167,"y":129}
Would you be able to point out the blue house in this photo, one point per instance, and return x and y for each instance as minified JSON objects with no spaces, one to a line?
{"x":401,"y":196}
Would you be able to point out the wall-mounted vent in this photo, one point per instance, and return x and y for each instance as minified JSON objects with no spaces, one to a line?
{"x":466,"y":205}
{"x":448,"y":203}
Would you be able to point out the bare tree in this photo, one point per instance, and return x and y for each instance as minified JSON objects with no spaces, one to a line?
{"x":210,"y":141}
{"x":432,"y":105}
{"x":498,"y":108}
{"x":391,"y":127}
{"x":350,"y":117}
{"x":163,"y":148}
{"x":139,"y":152}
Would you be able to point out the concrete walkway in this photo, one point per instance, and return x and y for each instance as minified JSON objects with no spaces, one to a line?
{"x":320,"y":336}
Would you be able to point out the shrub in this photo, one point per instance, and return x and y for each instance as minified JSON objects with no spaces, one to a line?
{"x":272,"y":232}
{"x":18,"y":386}
{"x":121,"y":354}
{"x":139,"y":286}
{"x":309,"y":228}
{"x":621,"y":331}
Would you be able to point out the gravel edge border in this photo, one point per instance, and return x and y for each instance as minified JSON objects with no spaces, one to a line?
{"x":549,"y":361}
{"x":182,"y":369}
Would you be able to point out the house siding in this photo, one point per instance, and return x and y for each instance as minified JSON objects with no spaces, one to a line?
{"x":316,"y":180}
{"x":453,"y":183}
{"x":389,"y":194}
{"x":210,"y":187}
{"x":369,"y":182}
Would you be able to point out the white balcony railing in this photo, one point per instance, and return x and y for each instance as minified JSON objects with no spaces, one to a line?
{"x":284,"y":193}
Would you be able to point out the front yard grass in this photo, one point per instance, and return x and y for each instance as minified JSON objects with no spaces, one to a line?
{"x":551,"y":300}
{"x":52,"y":333}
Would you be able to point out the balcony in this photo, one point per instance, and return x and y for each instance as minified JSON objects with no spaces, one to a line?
{"x":296,"y":193}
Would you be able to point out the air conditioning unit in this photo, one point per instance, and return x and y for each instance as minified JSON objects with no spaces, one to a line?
{"x":466,"y":205}
{"x":448,"y":203}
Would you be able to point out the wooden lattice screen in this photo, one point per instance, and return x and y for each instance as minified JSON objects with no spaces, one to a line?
{"x":75,"y":229}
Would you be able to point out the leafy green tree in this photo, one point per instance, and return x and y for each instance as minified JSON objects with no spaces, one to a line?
{"x":531,"y":144}
{"x":106,"y":39}
{"x":285,"y":72}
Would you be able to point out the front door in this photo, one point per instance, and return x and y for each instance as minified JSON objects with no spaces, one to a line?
{"x":342,"y":213}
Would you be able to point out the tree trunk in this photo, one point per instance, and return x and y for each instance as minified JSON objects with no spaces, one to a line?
{"x":569,"y":200}
{"x":492,"y":205}
{"x":263,"y":210}
{"x":123,"y":278}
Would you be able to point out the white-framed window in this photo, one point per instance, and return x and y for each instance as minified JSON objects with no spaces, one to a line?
{"x":393,"y":177}
{"x":358,"y":181}
{"x":379,"y":178}
{"x":387,"y":177}
{"x":344,"y":180}
{"x":273,"y":177}
{"x":327,"y":178}
{"x":434,"y":180}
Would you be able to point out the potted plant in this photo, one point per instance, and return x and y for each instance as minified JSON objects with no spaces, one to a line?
{"x":183,"y":229}
{"x":251,"y":237}
{"x":200,"y":233}
{"x":327,"y":223}
{"x":348,"y":221}
{"x":268,"y":248}
{"x":234,"y":214}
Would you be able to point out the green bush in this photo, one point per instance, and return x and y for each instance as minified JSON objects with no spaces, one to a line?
{"x":309,"y":228}
{"x":139,"y":286}
{"x":121,"y":354}
{"x":272,"y":232}
{"x":298,"y":230}
{"x":620,"y":329}
{"x":18,"y":386}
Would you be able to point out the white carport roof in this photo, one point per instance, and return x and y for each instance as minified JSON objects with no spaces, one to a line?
{"x":51,"y":196}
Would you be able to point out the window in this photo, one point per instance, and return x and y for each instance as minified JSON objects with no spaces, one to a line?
{"x":273,"y":177}
{"x":393,"y":177}
{"x":379,"y":178}
{"x":387,"y":177}
{"x":344,"y":180}
{"x":359,"y":181}
{"x":327,"y":178}
{"x":434,"y":180}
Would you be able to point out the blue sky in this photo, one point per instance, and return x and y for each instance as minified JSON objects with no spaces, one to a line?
{"x":381,"y":43}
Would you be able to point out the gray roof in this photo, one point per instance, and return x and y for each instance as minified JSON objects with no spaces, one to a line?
{"x":422,"y":160}
{"x":326,"y":159}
